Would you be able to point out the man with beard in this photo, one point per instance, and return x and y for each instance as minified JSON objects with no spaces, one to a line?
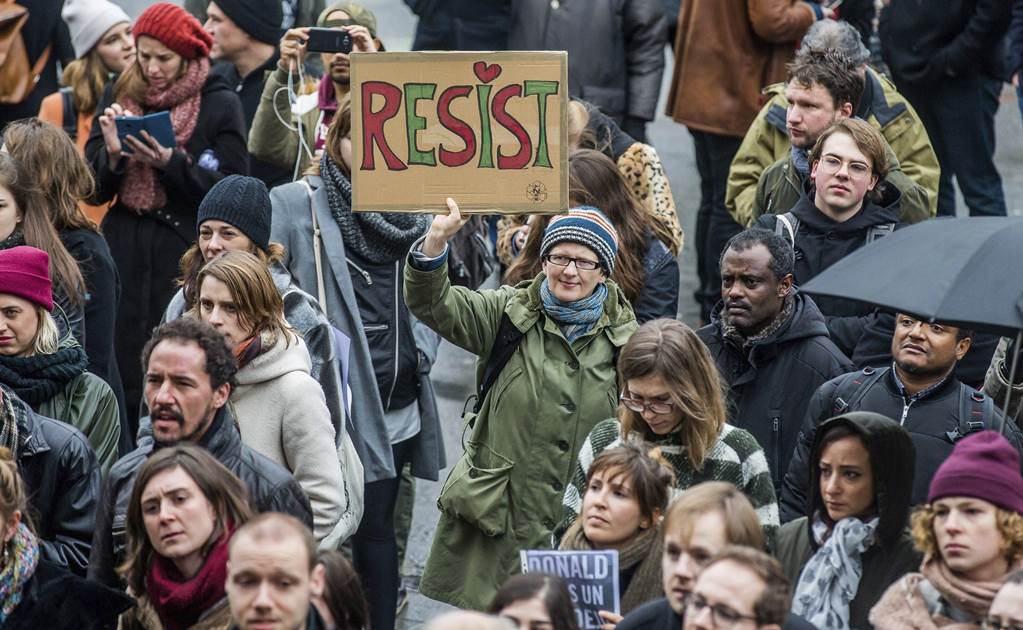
{"x":189,"y":373}
{"x":309,"y":116}
{"x":770,"y":343}
{"x":919,"y":390}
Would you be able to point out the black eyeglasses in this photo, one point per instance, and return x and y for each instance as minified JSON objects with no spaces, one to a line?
{"x":639,"y":405}
{"x":721,"y":616}
{"x":994,"y":623}
{"x":563,"y":261}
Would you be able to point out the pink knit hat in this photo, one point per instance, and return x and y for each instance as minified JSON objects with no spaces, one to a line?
{"x":983,"y":466}
{"x":175,"y":28}
{"x":25,"y":272}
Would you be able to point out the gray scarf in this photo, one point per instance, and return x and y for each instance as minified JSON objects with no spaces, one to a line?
{"x":830,"y":579}
{"x":8,"y":422}
{"x":380,"y":238}
{"x":732,"y":333}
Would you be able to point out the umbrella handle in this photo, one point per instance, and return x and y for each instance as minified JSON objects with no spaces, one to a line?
{"x":1012,"y":379}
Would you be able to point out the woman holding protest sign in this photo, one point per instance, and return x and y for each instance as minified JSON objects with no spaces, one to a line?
{"x":548,"y":349}
{"x":645,"y":270}
{"x":672,"y":397}
{"x":626,"y":494}
{"x":159,"y":186}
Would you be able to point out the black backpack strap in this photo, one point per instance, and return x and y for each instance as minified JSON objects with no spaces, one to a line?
{"x":976,"y":412}
{"x":878,"y":231}
{"x":507,"y":341}
{"x":70,"y":116}
{"x":852,"y":390}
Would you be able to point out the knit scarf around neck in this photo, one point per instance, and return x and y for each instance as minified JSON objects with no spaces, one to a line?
{"x":972,"y":597}
{"x":8,"y":421}
{"x":140,"y":187}
{"x":379,"y":237}
{"x":38,"y":378}
{"x":831,"y":578}
{"x":180,"y":601}
{"x":16,"y":238}
{"x":22,"y":558}
{"x":574,"y":318}
{"x":744,"y":342}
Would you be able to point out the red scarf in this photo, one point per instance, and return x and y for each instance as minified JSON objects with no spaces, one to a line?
{"x":179,"y":601}
{"x":248,"y":350}
{"x":140,"y":187}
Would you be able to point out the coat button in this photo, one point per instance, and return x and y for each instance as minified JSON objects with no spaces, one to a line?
{"x":557,"y":486}
{"x":831,"y":236}
{"x":572,"y":365}
{"x":563,"y":445}
{"x":569,"y":406}
{"x":474,"y":473}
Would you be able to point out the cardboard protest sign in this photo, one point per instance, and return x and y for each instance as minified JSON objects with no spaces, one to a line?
{"x":592,"y":578}
{"x":487,"y":129}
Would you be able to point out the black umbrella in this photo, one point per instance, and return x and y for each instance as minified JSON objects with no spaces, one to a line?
{"x":963,"y":272}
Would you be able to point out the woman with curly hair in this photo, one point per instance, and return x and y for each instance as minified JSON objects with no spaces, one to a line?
{"x":971,"y":534}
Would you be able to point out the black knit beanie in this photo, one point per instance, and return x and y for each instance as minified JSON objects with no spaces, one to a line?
{"x":242,"y":202}
{"x":259,"y":18}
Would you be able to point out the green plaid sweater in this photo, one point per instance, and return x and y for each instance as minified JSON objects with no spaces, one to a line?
{"x":736,"y":458}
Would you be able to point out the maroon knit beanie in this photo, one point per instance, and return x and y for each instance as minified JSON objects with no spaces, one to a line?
{"x":25,"y":272}
{"x":175,"y":28}
{"x":983,"y":466}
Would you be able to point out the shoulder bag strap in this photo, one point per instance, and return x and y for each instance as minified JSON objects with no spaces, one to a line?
{"x":317,"y":253}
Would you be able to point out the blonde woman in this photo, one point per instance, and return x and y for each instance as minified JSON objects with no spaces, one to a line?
{"x":671,"y":396}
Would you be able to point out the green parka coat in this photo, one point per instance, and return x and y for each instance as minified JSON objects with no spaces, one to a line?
{"x":88,"y":404}
{"x":504,"y":494}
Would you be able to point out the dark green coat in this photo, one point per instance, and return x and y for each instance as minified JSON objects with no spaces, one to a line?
{"x":504,"y":494}
{"x":88,"y":404}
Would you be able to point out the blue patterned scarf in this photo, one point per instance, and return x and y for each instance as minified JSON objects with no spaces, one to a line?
{"x":574,"y":318}
{"x":20,"y":564}
{"x":801,"y":160}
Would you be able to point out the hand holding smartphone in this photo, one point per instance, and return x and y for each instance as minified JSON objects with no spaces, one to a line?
{"x":328,"y":40}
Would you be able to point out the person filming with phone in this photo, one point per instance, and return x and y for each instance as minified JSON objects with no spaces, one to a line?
{"x":160,"y":181}
{"x":290,"y":127}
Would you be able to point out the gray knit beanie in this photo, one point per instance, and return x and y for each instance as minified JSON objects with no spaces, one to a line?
{"x":240,"y":201}
{"x":88,"y":20}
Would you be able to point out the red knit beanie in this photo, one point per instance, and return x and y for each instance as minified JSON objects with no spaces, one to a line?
{"x":175,"y":28}
{"x":25,"y":272}
{"x":982,"y":466}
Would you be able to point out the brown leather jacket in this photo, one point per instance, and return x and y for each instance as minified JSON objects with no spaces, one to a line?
{"x":726,"y":52}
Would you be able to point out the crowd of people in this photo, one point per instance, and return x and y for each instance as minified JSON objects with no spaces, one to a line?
{"x":215,"y":390}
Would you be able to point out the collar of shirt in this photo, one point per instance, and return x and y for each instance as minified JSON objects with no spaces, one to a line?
{"x":920,"y":394}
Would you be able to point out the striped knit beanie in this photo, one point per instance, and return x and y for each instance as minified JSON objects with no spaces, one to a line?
{"x":586,"y":226}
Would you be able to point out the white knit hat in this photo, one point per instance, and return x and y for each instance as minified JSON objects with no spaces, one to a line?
{"x":88,"y":20}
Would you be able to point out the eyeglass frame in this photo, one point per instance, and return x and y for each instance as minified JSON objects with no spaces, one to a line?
{"x":715,"y":609}
{"x":643,"y":405}
{"x":994,"y":623}
{"x":823,"y":164}
{"x":586,"y":267}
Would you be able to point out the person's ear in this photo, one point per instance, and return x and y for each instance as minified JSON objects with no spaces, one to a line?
{"x":785,"y":286}
{"x":221,"y":394}
{"x":962,"y":347}
{"x":874,"y":179}
{"x":318,"y":581}
{"x":12,"y":526}
{"x":813,"y":170}
{"x":846,"y":110}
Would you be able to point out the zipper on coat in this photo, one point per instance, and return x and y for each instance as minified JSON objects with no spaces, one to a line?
{"x":905,"y":412}
{"x":397,"y":335}
{"x":776,"y":442}
{"x":365,"y":274}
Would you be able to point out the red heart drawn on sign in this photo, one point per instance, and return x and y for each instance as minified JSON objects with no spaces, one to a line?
{"x":486,"y":73}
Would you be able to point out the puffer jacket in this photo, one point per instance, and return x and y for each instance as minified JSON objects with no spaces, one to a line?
{"x":932,"y":420}
{"x":615,"y":63}
{"x":881,"y":105}
{"x":505,"y":492}
{"x":272,"y":488}
{"x":892,"y":554}
{"x":770,"y":384}
{"x":275,"y":391}
{"x":63,"y":480}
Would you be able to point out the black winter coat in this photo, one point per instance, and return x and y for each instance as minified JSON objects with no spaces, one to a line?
{"x":932,"y":421}
{"x":769,"y":389}
{"x":615,"y":49}
{"x":62,"y":477}
{"x":923,"y":42}
{"x":272,"y":488}
{"x":146,"y":247}
{"x":56,"y":599}
{"x":460,"y":24}
{"x":103,"y":293}
{"x":892,"y":555}
{"x":659,"y":297}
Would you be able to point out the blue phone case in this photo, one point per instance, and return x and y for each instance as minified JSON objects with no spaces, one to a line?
{"x":157,"y":124}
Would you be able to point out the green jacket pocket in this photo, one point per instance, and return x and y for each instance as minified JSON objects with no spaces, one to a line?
{"x":476,"y":490}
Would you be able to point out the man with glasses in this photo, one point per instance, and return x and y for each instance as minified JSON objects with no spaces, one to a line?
{"x":769,"y":342}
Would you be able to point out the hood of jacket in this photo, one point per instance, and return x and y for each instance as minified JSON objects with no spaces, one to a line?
{"x":892,"y":462}
{"x":806,"y":321}
{"x":283,"y":356}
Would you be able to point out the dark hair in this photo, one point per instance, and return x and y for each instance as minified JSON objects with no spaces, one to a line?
{"x":964,"y":333}
{"x":645,"y":469}
{"x":783,"y":258}
{"x":220,"y":362}
{"x":772,"y":607}
{"x":229,"y":497}
{"x":192,"y":263}
{"x":550,"y":588}
{"x":343,"y":591}
{"x":831,"y":70}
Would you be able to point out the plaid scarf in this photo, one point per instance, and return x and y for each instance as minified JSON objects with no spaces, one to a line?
{"x":21,"y":555}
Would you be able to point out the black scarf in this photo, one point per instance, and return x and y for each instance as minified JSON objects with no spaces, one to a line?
{"x":16,"y":239}
{"x":38,"y":378}
{"x":380,"y":238}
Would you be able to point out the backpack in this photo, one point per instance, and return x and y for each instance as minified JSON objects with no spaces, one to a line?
{"x":787,"y":225}
{"x":975,"y":409}
{"x":470,"y":261}
{"x":17,"y":77}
